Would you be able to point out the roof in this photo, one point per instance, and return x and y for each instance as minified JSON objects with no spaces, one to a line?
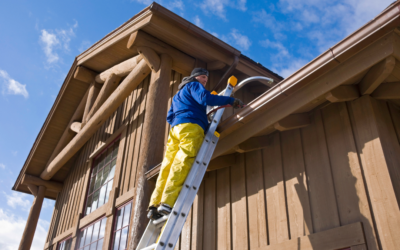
{"x":111,"y":50}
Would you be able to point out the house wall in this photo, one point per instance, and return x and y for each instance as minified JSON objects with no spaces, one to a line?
{"x":304,"y":182}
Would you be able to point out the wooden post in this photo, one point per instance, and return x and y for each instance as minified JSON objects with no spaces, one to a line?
{"x":33,"y":218}
{"x":92,"y":95}
{"x":152,"y":145}
{"x":379,"y":152}
{"x":124,"y":90}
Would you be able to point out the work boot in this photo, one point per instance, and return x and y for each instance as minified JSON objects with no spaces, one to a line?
{"x":153,"y":214}
{"x":164,"y":209}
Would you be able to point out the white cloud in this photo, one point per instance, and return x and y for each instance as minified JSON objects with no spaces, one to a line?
{"x":11,"y":86}
{"x":198,"y":22}
{"x":48,"y":203}
{"x":241,"y":40}
{"x":2,"y":166}
{"x":218,"y":7}
{"x":18,"y":200}
{"x":268,"y":20}
{"x":12,"y":228}
{"x":282,"y":51}
{"x":54,"y":41}
{"x":290,"y":67}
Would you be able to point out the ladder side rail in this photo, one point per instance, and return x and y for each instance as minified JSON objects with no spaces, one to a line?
{"x":177,"y":213}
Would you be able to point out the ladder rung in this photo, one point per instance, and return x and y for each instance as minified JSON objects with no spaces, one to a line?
{"x":161,"y":220}
{"x":151,"y":247}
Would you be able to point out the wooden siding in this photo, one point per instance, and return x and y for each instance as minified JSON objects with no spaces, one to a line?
{"x":306,"y":181}
{"x":131,"y":113}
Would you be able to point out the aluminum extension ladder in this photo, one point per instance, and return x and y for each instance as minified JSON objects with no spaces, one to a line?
{"x":176,"y":219}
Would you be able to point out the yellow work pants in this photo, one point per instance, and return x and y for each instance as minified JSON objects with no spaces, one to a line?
{"x":184,"y":141}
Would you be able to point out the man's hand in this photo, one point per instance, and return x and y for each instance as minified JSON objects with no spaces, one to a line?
{"x":237,"y":103}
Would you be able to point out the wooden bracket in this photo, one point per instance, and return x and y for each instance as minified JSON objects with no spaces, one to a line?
{"x":216,"y":65}
{"x":387,"y":91}
{"x":84,"y":74}
{"x":75,"y":127}
{"x":182,"y":62}
{"x":151,"y":58}
{"x":376,"y":75}
{"x":223,"y":161}
{"x":33,"y":189}
{"x":49,"y":185}
{"x":253,"y":143}
{"x":343,"y":94}
{"x":293,"y":122}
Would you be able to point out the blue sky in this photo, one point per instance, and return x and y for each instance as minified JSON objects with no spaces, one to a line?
{"x":39,"y":40}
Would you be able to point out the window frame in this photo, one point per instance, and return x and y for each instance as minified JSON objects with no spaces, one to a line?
{"x":115,"y":221}
{"x":93,"y":159}
{"x":89,"y":225}
{"x":64,"y":240}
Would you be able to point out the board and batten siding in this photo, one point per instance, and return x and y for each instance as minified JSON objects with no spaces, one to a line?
{"x":305,"y":181}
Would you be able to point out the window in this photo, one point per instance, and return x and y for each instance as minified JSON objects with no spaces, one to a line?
{"x":92,"y":236}
{"x":101,"y":179}
{"x":65,"y":244}
{"x":121,"y":227}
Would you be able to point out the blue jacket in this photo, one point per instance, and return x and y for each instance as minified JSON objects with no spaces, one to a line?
{"x":189,"y":105}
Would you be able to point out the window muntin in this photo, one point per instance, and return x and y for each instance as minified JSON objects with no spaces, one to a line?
{"x":92,"y":237}
{"x":121,"y":227}
{"x":65,"y":244}
{"x":101,"y":178}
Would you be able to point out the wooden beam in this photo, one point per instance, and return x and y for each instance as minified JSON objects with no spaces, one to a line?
{"x":343,"y":94}
{"x":151,"y":58}
{"x":75,"y":127}
{"x":31,"y":222}
{"x":222,"y":162}
{"x":216,"y":65}
{"x":33,"y":189}
{"x":376,"y":75}
{"x":227,"y":73}
{"x":253,"y":143}
{"x":108,"y":88}
{"x":50,"y":185}
{"x":337,"y":238}
{"x":293,"y":122}
{"x":137,"y":75}
{"x":387,"y":91}
{"x":121,"y":70}
{"x":84,"y":74}
{"x":151,"y":146}
{"x":94,"y":90}
{"x":182,"y":62}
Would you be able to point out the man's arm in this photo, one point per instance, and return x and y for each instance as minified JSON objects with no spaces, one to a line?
{"x":204,"y":97}
{"x":170,"y":115}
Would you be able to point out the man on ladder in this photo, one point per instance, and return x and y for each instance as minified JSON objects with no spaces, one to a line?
{"x":188,"y":120}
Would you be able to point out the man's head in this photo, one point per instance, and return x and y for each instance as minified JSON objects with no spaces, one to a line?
{"x":201,"y":75}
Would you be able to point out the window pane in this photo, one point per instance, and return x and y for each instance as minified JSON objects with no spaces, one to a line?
{"x":115,"y":152}
{"x":82,"y":240}
{"x":109,"y":187}
{"x":68,"y":244}
{"x":102,"y":228}
{"x":95,"y":235}
{"x":112,"y":171}
{"x":102,"y":195}
{"x":95,"y":200}
{"x":124,"y":236}
{"x":100,"y":244}
{"x":87,"y":247}
{"x":119,"y":219}
{"x":89,"y":235}
{"x":108,"y":157}
{"x":98,"y":180}
{"x":92,"y":181}
{"x":106,"y":173}
{"x":127,"y":213}
{"x":116,"y":240}
{"x":89,"y":204}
